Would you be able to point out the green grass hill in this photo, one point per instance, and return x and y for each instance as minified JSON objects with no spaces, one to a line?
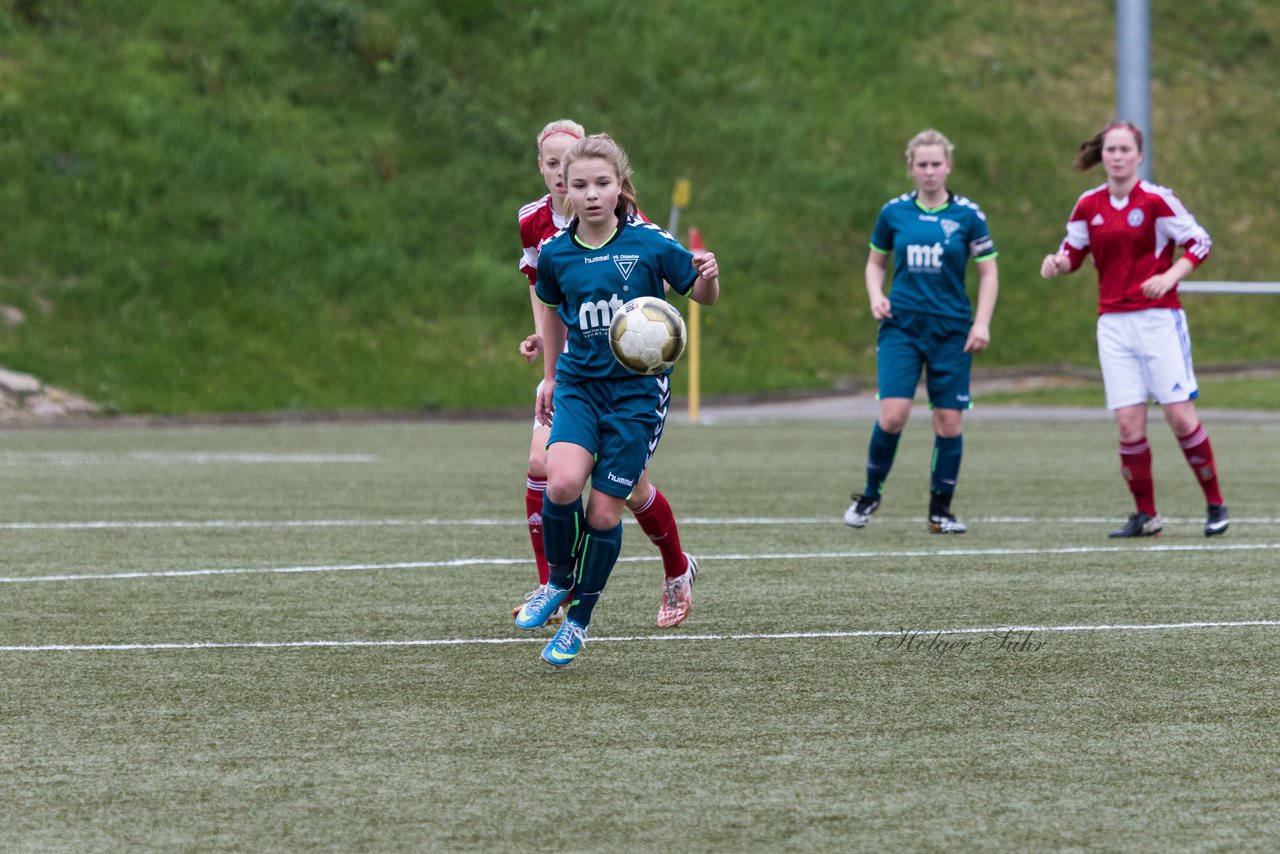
{"x":252,"y":205}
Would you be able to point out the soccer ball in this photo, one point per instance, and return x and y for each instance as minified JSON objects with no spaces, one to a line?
{"x":647,"y":335}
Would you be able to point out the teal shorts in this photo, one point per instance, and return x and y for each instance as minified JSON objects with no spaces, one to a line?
{"x":909,"y":343}
{"x":618,"y":420}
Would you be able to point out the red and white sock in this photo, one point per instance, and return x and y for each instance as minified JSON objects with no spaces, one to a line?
{"x":1135,"y":466}
{"x":1199,"y":453}
{"x":533,"y":493}
{"x":659,"y":523}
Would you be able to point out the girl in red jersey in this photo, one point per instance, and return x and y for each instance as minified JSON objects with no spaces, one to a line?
{"x":1131,"y":228}
{"x":539,"y":220}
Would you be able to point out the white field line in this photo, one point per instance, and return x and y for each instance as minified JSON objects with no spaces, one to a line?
{"x":887,"y":633}
{"x":84,"y":458}
{"x":146,"y":524}
{"x":504,"y":561}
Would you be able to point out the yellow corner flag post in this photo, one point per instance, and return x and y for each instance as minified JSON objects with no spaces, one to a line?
{"x":695,"y":344}
{"x":679,"y":201}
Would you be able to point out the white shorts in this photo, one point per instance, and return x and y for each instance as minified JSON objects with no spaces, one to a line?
{"x":1146,"y":354}
{"x":536,"y":392}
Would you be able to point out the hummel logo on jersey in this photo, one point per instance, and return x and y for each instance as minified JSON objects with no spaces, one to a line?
{"x":625,"y":264}
{"x":1097,"y":220}
{"x":924,"y":257}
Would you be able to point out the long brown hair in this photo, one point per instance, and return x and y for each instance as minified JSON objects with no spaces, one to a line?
{"x":601,"y":145}
{"x":1089,"y":154}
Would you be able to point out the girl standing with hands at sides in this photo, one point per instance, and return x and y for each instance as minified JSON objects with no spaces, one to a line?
{"x":540,"y":220}
{"x":1131,"y":228}
{"x":931,"y":234}
{"x":605,"y":421}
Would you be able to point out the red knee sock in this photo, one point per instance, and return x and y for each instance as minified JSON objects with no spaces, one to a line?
{"x":533,"y":512}
{"x":659,"y":523}
{"x":1135,"y":465}
{"x":1199,"y":453}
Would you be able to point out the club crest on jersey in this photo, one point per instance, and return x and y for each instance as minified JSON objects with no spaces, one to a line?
{"x":625,"y":264}
{"x":949,"y":227}
{"x":1136,"y":217}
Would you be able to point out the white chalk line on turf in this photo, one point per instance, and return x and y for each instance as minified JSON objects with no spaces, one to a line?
{"x":863,"y":633}
{"x":82,"y":458}
{"x":503,"y":561}
{"x":146,"y":524}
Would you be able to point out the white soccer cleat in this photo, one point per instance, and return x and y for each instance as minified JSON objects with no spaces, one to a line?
{"x":677,"y":595}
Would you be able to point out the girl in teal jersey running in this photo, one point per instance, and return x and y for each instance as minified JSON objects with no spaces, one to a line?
{"x":605,"y":422}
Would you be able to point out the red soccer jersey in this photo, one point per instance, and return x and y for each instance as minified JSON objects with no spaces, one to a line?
{"x":538,"y":221}
{"x":1132,"y":240}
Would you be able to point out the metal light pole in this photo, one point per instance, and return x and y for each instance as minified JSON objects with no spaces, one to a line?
{"x":1133,"y":72}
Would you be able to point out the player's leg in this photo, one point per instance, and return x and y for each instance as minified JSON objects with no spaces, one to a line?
{"x":1167,"y":342}
{"x":898,"y":363}
{"x":570,"y":459}
{"x":597,"y":555}
{"x":656,"y":519}
{"x":563,"y":528}
{"x":944,"y":471}
{"x":1194,"y":441}
{"x":1126,"y":390}
{"x":535,"y":487}
{"x":947,"y":379}
{"x":631,"y":419}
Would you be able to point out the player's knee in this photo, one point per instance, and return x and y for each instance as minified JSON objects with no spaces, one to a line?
{"x":562,"y":489}
{"x":538,"y":464}
{"x":604,"y":518}
{"x":640,"y":496}
{"x":1184,"y":423}
{"x":947,"y":423}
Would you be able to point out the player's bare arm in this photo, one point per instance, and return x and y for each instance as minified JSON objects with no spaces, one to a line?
{"x":877,"y":264}
{"x":1161,"y":283}
{"x":988,"y":287}
{"x":706,"y":288}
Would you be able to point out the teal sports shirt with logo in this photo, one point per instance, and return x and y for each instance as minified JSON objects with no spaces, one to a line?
{"x":587,"y":286}
{"x":931,"y":248}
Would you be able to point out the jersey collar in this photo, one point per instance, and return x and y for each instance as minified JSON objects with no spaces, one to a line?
{"x":573,"y":232}
{"x":915,"y":197}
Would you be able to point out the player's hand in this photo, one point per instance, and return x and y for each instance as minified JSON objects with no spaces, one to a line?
{"x":1052,"y":265}
{"x":1158,"y":285}
{"x":531,"y":347}
{"x":705,"y":264}
{"x":545,"y":409}
{"x":979,"y":338}
{"x":880,"y":307}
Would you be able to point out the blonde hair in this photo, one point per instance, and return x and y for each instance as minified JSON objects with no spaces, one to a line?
{"x":927,"y":137}
{"x":602,"y":146}
{"x":565,"y":126}
{"x":1089,"y":154}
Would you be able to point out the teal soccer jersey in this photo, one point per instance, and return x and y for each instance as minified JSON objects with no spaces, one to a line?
{"x":586,"y":286}
{"x":930,"y":251}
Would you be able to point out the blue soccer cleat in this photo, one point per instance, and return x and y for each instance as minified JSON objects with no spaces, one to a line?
{"x":541,"y":607}
{"x":569,"y":640}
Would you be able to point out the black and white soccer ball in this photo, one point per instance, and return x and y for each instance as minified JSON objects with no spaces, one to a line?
{"x":648,"y":335}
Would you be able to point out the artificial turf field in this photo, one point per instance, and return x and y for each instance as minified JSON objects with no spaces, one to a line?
{"x":299,"y":637}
